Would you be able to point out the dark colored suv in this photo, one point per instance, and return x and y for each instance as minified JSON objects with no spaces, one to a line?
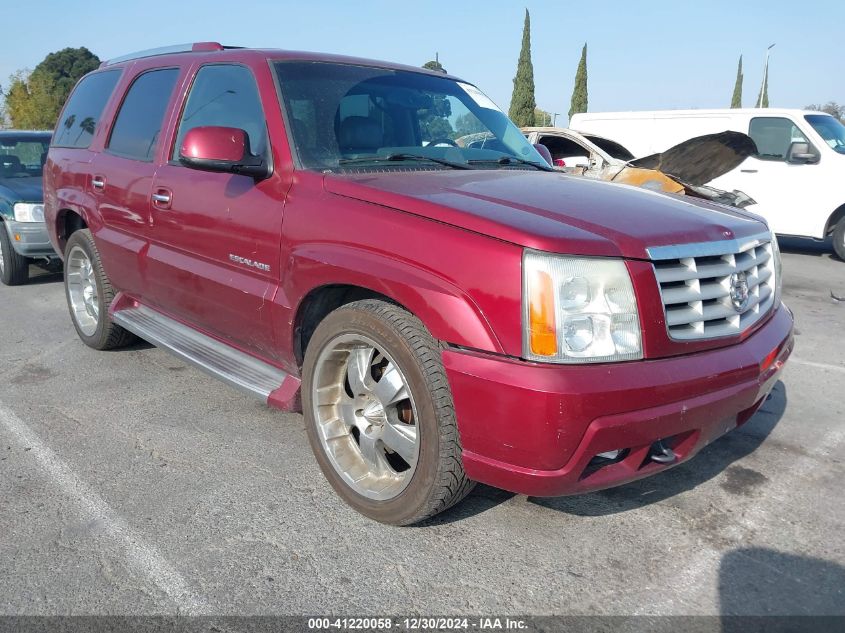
{"x":23,"y":236}
{"x":293,"y":222}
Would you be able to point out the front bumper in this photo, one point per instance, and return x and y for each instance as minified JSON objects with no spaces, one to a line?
{"x":30,"y":239}
{"x":535,"y":429}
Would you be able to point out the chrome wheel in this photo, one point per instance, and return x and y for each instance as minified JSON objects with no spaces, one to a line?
{"x":82,"y":291}
{"x":365,"y":416}
{"x":2,"y":258}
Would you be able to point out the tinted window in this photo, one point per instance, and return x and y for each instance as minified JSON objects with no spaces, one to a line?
{"x":82,"y":113}
{"x":22,"y":155}
{"x":226,"y":96}
{"x":773,"y":136}
{"x":138,"y":124}
{"x":611,"y":147}
{"x":343,"y":116}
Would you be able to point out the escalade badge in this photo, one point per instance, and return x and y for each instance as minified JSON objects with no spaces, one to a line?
{"x":739,"y":291}
{"x":249,"y":262}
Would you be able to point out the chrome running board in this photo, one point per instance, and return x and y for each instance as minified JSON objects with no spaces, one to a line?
{"x":243,"y":372}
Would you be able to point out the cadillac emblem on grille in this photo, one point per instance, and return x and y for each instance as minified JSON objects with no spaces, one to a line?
{"x":739,"y":291}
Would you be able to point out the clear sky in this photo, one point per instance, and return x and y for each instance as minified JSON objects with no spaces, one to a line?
{"x":642,"y":55}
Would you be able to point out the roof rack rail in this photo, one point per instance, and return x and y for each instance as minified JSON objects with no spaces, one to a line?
{"x":196,"y":47}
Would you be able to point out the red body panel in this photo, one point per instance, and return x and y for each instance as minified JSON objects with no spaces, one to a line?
{"x":533,"y":429}
{"x":238,"y":258}
{"x":214,"y":143}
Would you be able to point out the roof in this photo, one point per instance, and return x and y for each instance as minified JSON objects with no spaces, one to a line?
{"x":10,"y":132}
{"x":215,"y":51}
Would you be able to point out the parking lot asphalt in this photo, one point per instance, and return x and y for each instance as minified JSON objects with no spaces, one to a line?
{"x":131,"y":483}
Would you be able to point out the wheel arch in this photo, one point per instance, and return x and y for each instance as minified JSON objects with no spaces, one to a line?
{"x":68,"y":221}
{"x":342,"y":274}
{"x":837,"y":216}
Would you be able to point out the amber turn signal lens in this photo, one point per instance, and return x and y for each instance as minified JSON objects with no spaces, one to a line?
{"x":542,"y":330}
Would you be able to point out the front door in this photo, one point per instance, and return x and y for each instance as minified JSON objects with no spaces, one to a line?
{"x":781,"y":189}
{"x":214,"y":256}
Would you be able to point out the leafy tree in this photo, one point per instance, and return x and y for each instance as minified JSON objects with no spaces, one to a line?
{"x":831,"y":107}
{"x":33,"y":100}
{"x":523,"y":102}
{"x":435,"y":65}
{"x":736,"y":99}
{"x":579,"y":92}
{"x":542,"y":118}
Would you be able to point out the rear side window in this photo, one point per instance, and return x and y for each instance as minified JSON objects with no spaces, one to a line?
{"x":225,"y":95}
{"x":137,"y":126}
{"x":83,"y":110}
{"x":773,"y":136}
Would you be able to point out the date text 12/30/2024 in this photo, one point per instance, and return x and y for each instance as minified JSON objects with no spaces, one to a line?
{"x":418,"y":624}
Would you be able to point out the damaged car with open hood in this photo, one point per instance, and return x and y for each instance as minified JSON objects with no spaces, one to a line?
{"x":684,"y":169}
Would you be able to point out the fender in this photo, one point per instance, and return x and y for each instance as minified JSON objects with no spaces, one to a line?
{"x":448,"y":312}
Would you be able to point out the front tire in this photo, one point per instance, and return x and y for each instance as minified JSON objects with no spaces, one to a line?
{"x":379,"y":414}
{"x":839,"y":239}
{"x":14,"y":267}
{"x":90,"y":294}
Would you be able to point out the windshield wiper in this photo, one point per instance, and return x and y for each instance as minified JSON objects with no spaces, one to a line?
{"x":507,"y":160}
{"x":401,"y":157}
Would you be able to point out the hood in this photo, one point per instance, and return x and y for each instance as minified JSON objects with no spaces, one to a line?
{"x":550,"y":211}
{"x":26,"y":189}
{"x":699,"y":160}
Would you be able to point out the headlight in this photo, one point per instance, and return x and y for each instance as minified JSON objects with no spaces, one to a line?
{"x":778,"y":268}
{"x":578,"y":310}
{"x":28,"y":212}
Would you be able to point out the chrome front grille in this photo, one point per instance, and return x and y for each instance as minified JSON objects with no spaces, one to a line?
{"x":715,"y":289}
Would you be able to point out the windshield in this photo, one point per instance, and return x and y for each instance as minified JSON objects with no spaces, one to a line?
{"x":22,"y":155}
{"x":344,"y":116}
{"x":830,"y":129}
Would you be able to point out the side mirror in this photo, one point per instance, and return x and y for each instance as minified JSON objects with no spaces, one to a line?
{"x":543,"y":151}
{"x":801,"y":153}
{"x":221,"y":149}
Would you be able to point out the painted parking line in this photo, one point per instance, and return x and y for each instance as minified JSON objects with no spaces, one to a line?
{"x":809,"y":363}
{"x":141,"y":557}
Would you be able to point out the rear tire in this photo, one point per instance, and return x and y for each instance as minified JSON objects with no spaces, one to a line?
{"x":370,"y":369}
{"x":14,"y":267}
{"x":839,"y":239}
{"x":90,"y":294}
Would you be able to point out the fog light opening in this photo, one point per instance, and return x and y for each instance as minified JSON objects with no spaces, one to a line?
{"x":606,"y":458}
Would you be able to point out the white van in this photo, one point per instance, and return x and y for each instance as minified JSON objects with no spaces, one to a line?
{"x":797,"y":176}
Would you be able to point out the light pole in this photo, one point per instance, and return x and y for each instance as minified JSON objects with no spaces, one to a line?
{"x":554,"y":118}
{"x":765,"y":77}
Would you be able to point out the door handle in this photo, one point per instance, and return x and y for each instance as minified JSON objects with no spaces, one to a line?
{"x":748,"y":171}
{"x":161,"y":198}
{"x":98,"y":182}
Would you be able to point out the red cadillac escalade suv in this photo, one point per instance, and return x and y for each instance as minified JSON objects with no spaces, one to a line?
{"x":311,"y":230}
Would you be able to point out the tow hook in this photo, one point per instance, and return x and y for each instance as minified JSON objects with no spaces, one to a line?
{"x":661,"y":453}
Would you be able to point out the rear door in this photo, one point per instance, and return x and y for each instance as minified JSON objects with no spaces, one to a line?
{"x":121,"y":176}
{"x":214,"y":257}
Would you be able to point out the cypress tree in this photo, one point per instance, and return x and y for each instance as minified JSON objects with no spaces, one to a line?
{"x":736,"y":100}
{"x":523,"y":103}
{"x":579,"y":92}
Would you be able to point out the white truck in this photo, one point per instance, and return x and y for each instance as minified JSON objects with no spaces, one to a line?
{"x":796,"y":177}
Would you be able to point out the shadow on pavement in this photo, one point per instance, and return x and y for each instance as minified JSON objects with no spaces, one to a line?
{"x":757,"y":581}
{"x":807,"y":246}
